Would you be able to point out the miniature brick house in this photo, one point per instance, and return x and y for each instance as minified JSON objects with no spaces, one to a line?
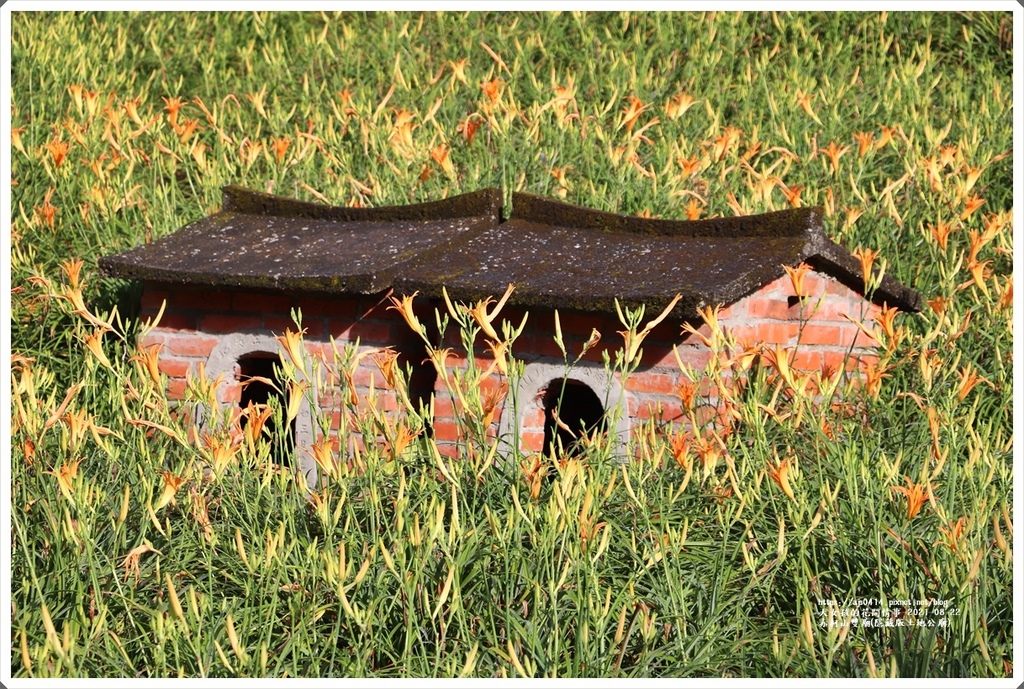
{"x":230,"y":281}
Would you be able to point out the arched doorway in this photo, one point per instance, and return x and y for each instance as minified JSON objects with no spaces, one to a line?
{"x":580,"y":411}
{"x":261,"y":385}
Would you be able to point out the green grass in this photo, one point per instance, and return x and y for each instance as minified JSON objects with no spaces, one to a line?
{"x":692,"y":563}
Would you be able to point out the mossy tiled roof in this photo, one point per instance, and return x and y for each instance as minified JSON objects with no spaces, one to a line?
{"x":558,"y":255}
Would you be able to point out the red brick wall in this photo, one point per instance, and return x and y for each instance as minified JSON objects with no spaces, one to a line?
{"x":815,"y":328}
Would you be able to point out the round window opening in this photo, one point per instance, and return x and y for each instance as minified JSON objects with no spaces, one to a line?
{"x":259,"y":374}
{"x":572,"y":410}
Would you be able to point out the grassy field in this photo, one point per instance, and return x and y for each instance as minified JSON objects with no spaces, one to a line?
{"x":139,"y":552}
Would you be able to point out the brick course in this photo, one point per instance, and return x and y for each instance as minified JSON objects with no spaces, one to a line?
{"x":818,"y":326}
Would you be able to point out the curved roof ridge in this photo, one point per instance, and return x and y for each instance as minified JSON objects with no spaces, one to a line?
{"x":791,"y":222}
{"x":480,"y":203}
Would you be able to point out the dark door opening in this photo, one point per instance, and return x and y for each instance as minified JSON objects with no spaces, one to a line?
{"x":251,"y":368}
{"x":579,"y":408}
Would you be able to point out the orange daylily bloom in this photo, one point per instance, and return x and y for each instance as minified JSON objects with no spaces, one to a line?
{"x":186,"y":130}
{"x":172,"y":106}
{"x":66,"y":476}
{"x":76,"y":94}
{"x":485,"y":319}
{"x":131,"y":560}
{"x":779,"y":473}
{"x":292,"y":344}
{"x":834,"y":153}
{"x":385,"y":360}
{"x":886,"y":137}
{"x":680,"y":443}
{"x":916,"y":495}
{"x":941,"y":233}
{"x":404,"y":307}
{"x":864,"y":141}
{"x":492,"y":89}
{"x":149,"y":357}
{"x":93,"y":342}
{"x":1006,"y":297}
{"x":91,"y":102}
{"x":954,"y":534}
{"x":867,"y":259}
{"x":796,"y":277}
{"x":403,"y":437}
{"x":632,"y":112}
{"x":693,"y":210}
{"x":442,"y":156}
{"x":973,"y":173}
{"x":58,"y":151}
{"x":969,"y":378}
{"x":131,"y":106}
{"x":256,"y":417}
{"x":678,"y":104}
{"x":16,"y":139}
{"x":972,"y":204}
{"x":281,"y":147}
{"x":690,"y":166}
{"x":947,"y":154}
{"x":792,"y":194}
{"x":886,"y":318}
{"x":492,"y":399}
{"x":171,"y":485}
{"x":323,"y":455}
{"x":468,"y":126}
{"x":804,"y":101}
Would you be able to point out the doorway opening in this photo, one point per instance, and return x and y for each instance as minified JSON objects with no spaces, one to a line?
{"x":259,"y":374}
{"x":577,"y":406}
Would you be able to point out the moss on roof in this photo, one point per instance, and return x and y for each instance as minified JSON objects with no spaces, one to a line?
{"x":558,"y":255}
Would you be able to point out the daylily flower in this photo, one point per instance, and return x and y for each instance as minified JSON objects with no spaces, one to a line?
{"x":76,"y":94}
{"x":968,"y":379}
{"x":632,"y":112}
{"x":131,"y":560}
{"x":281,"y":147}
{"x":867,"y":259}
{"x":131,"y":106}
{"x":171,"y":485}
{"x":58,"y":151}
{"x":796,"y":278}
{"x":916,"y":495}
{"x":864,"y":141}
{"x":172,"y":105}
{"x":385,"y":360}
{"x":780,"y":474}
{"x":678,"y":104}
{"x":404,"y":307}
{"x":292,"y":343}
{"x":149,"y":357}
{"x":468,"y":126}
{"x":485,"y":319}
{"x":66,"y":476}
{"x":834,"y":153}
{"x":941,"y":233}
{"x":804,"y":101}
{"x":458,"y":70}
{"x":442,"y":156}
{"x":972,"y":204}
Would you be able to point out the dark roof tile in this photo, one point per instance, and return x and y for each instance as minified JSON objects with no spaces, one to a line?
{"x":558,"y":255}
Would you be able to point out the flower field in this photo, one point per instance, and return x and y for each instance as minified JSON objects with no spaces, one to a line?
{"x":832,"y":526}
